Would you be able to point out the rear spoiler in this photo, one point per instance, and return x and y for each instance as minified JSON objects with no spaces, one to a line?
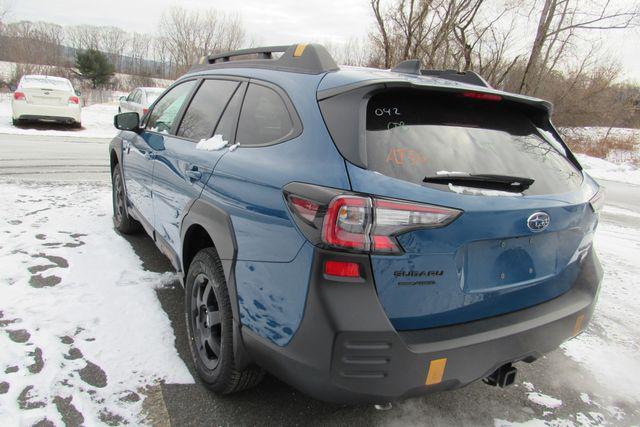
{"x":435,"y":85}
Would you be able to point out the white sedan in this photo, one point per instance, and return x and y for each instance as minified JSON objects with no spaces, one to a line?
{"x":139,"y":100}
{"x":46,"y":98}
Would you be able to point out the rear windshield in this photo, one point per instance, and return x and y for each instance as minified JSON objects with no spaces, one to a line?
{"x":412,"y":135}
{"x":45,"y":83}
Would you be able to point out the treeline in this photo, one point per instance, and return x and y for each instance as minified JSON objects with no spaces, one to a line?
{"x":533,"y":47}
{"x":541,"y":48}
{"x":183,"y":37}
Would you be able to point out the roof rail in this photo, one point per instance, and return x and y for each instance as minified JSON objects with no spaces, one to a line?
{"x":412,"y":66}
{"x":298,"y":58}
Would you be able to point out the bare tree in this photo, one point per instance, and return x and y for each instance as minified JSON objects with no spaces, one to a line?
{"x":113,"y":42}
{"x":442,"y":33}
{"x":189,"y":35}
{"x":559,"y":21}
{"x":354,"y":52}
{"x":139,"y":51}
{"x":83,"y":37}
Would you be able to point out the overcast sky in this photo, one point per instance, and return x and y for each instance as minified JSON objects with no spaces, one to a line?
{"x":269,"y":22}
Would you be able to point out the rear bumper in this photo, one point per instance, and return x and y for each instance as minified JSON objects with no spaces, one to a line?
{"x":346,"y":350}
{"x":54,"y":113}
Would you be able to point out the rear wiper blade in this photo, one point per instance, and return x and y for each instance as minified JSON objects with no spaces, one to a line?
{"x":492,"y":182}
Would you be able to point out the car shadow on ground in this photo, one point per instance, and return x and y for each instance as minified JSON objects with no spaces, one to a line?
{"x":48,"y":126}
{"x":275,"y":403}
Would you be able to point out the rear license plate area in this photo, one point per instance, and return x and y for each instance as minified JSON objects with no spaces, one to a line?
{"x":518,"y":261}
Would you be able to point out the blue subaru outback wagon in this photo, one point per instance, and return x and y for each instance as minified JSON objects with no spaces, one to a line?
{"x":364,"y":235}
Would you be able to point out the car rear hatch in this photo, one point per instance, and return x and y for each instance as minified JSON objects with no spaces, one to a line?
{"x":47,"y":92}
{"x":525,"y":221}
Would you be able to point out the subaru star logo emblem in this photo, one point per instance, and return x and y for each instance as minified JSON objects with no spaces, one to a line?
{"x":538,"y":221}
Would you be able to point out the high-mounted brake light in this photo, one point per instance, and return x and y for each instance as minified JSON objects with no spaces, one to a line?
{"x":74,"y":100}
{"x":481,"y":96}
{"x":19,"y":96}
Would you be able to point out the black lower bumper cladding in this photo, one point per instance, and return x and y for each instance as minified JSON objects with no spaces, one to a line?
{"x":347,"y":351}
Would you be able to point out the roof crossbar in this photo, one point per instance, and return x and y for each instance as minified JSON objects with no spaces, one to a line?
{"x":262,"y":52}
{"x":300,"y":58}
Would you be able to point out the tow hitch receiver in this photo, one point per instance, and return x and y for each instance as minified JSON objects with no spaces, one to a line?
{"x":502,"y":377}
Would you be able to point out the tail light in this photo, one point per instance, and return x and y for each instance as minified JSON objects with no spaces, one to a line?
{"x":362,"y":223}
{"x":74,"y":100}
{"x":597,"y":201}
{"x":19,"y":96}
{"x":145,"y":111}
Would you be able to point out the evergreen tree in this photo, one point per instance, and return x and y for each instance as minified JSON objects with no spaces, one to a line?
{"x":95,"y":66}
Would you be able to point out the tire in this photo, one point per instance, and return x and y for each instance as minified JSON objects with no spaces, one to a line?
{"x":76,"y":125}
{"x":121,"y":219}
{"x":15,"y":122}
{"x":210,"y":327}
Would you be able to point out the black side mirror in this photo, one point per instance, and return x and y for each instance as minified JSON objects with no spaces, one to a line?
{"x":127,"y":121}
{"x":78,"y":93}
{"x":122,"y":98}
{"x":12,"y":87}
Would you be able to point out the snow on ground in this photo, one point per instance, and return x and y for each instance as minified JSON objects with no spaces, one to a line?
{"x":97,"y":122}
{"x":603,"y":169}
{"x":610,"y":347}
{"x":81,"y":328}
{"x":595,"y":133}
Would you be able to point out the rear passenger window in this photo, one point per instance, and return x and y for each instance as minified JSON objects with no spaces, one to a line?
{"x":165,"y":112}
{"x":264,"y":117}
{"x":204,"y":111}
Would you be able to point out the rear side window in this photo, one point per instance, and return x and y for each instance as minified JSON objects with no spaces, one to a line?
{"x":165,"y":112}
{"x":411,"y":135}
{"x":205,"y":109}
{"x":264,"y":118}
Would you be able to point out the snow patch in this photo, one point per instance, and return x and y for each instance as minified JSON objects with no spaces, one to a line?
{"x":212,"y":144}
{"x":481,"y":191}
{"x":608,"y":347}
{"x":612,"y":210}
{"x":79,"y":316}
{"x":603,"y":169}
{"x":544,"y":400}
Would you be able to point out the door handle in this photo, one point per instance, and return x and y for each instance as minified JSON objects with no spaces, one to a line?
{"x":193,"y":173}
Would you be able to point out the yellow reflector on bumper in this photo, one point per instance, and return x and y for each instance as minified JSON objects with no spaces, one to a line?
{"x":436,"y":371}
{"x":578,"y":326}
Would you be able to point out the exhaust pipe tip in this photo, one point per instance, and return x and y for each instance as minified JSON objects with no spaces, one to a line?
{"x":383,"y":406}
{"x":502,"y":377}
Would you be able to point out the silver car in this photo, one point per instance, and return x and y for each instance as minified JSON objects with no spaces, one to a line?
{"x":139,"y":100}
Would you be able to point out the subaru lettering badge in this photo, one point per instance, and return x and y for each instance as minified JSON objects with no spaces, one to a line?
{"x":538,"y":221}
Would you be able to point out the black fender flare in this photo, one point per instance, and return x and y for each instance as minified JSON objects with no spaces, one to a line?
{"x":217,"y":223}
